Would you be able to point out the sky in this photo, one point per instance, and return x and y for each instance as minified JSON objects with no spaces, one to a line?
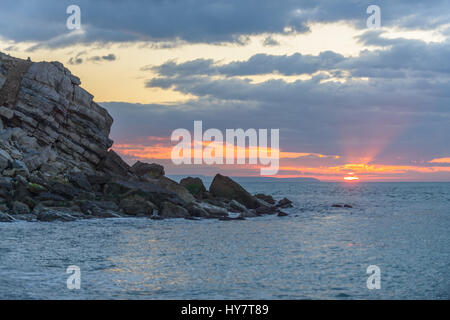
{"x":349,"y":100}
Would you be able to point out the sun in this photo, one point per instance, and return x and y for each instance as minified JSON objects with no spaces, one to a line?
{"x":353,"y":178}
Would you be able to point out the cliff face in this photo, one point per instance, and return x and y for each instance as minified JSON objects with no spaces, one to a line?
{"x":46,"y":101}
{"x":55,"y":162}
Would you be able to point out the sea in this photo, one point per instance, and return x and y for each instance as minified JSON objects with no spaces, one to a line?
{"x":394,"y":243}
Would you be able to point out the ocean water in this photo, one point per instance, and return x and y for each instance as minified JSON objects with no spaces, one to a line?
{"x":318,"y":252}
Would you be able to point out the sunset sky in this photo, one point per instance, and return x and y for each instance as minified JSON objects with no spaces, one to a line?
{"x":348,"y":100}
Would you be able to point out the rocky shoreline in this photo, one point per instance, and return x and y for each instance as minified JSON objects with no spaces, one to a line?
{"x":56,"y":162}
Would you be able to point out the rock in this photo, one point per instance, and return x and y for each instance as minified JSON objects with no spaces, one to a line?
{"x":282,"y":214}
{"x":79,"y":180}
{"x":337,"y":205}
{"x":267,"y":198}
{"x":5,"y":217}
{"x":236,"y":206}
{"x":213,"y":211}
{"x":6,"y":113}
{"x":65,"y":190}
{"x":195,"y":186}
{"x":172,"y":186}
{"x":137,"y":206}
{"x":196,"y":210}
{"x":105,"y":209}
{"x":9,"y":173}
{"x":1,"y":125}
{"x":25,"y":217}
{"x":266,"y":210}
{"x":170,"y":210}
{"x":347,"y":206}
{"x":251,"y":213}
{"x":5,"y":160}
{"x":152,"y":171}
{"x":36,"y":160}
{"x":225,"y":187}
{"x":53,"y":215}
{"x":113,"y":164}
{"x":284,"y":203}
{"x":6,"y":183}
{"x":36,"y":188}
{"x":21,"y":168}
{"x":20,"y":208}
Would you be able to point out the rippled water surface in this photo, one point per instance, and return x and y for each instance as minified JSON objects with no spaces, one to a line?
{"x":318,"y":252}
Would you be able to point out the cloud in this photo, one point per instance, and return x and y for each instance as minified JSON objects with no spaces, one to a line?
{"x":198,"y":21}
{"x":270,"y":42}
{"x":79,"y":60}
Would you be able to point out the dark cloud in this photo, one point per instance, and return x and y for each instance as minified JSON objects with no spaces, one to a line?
{"x":198,"y":20}
{"x":270,"y":42}
{"x":399,"y":59}
{"x":79,"y":60}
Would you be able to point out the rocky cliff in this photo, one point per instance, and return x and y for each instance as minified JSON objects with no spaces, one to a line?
{"x":56,"y":162}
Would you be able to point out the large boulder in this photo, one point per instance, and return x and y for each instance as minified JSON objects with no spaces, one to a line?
{"x":173,"y":186}
{"x":170,"y":210}
{"x":195,"y":186}
{"x":135,"y":205}
{"x":148,"y":170}
{"x":225,"y":187}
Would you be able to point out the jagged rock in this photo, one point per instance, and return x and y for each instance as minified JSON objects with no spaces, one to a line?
{"x":284,"y":203}
{"x":114,"y":164}
{"x":170,"y":210}
{"x":45,"y":100}
{"x":225,"y":187}
{"x":53,"y":215}
{"x":267,"y":198}
{"x":79,"y":180}
{"x":152,"y":171}
{"x":195,"y":186}
{"x":4,"y":217}
{"x":20,"y":208}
